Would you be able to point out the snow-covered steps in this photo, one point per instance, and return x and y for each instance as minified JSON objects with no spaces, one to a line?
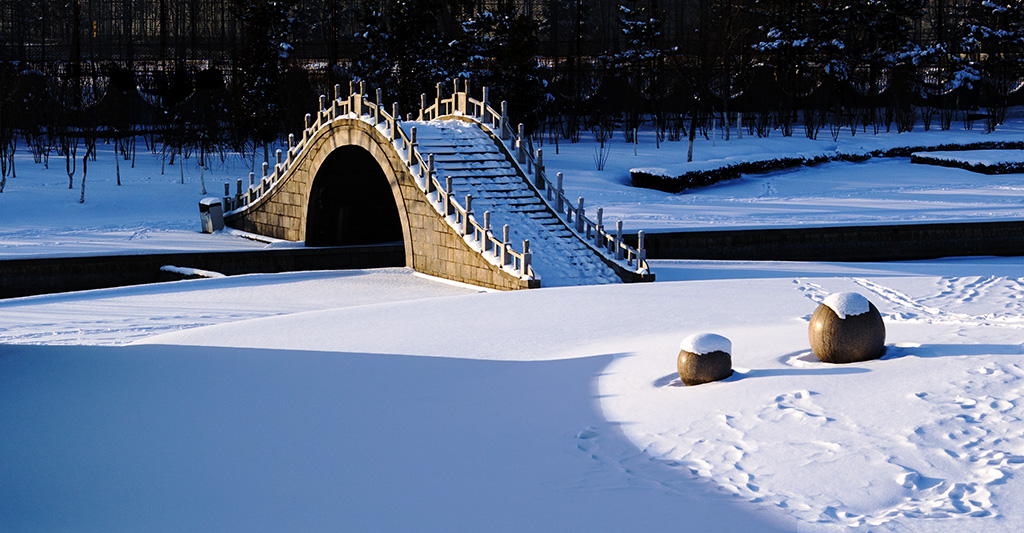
{"x":479,"y":168}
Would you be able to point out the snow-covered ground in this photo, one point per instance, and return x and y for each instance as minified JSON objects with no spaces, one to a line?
{"x":386,"y":400}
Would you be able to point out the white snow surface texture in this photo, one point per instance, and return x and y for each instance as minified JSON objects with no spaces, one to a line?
{"x":383,"y":400}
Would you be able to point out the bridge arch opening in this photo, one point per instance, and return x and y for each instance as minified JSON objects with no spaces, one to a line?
{"x":351,"y":203}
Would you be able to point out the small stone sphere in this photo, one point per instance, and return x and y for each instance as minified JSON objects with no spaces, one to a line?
{"x":704,"y":358}
{"x":840,"y":337}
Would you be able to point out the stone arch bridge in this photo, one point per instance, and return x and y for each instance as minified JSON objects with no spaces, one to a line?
{"x":456,"y":186}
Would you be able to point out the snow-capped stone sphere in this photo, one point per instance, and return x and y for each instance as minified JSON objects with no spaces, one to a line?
{"x":704,"y":357}
{"x":846,"y":328}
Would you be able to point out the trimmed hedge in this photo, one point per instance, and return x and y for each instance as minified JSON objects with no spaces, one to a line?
{"x":703,"y":178}
{"x":981,"y":168}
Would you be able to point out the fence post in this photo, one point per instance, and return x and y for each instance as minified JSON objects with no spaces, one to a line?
{"x":252,"y":179}
{"x":423,"y":107}
{"x":305,"y":132}
{"x":291,"y":143}
{"x":618,"y":239}
{"x":266,"y":167}
{"x":483,"y":107}
{"x":227,"y":196}
{"x":429,"y":182}
{"x":579,"y":215}
{"x":600,"y":226}
{"x":323,"y":107}
{"x":469,"y":211}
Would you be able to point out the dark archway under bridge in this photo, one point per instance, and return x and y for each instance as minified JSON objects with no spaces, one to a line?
{"x":351,"y":203}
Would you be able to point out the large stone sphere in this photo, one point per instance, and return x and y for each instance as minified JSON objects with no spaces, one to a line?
{"x":847,"y":328}
{"x":703,"y":358}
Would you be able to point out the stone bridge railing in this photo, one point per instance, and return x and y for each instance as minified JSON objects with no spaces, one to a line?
{"x":461,"y":104}
{"x":478,"y":234}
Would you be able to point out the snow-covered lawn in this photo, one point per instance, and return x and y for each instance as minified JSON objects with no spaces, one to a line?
{"x":385,"y":400}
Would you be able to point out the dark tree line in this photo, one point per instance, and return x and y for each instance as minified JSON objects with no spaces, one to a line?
{"x":202,"y":75}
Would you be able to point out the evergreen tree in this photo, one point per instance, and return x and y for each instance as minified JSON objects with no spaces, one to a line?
{"x":640,"y":59}
{"x":266,"y":28}
{"x":994,"y":32}
{"x":502,"y":48}
{"x":409,"y":46}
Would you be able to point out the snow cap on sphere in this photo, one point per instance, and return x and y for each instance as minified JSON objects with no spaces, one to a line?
{"x":704,"y":343}
{"x":846,"y":304}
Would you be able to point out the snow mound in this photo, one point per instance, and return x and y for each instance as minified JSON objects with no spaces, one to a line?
{"x":704,"y":343}
{"x":846,"y":304}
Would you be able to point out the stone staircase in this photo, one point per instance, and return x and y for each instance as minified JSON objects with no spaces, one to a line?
{"x":478,"y":167}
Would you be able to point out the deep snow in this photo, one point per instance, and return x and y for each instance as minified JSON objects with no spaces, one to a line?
{"x":384,"y":400}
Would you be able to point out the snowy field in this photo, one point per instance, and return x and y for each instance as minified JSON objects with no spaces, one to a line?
{"x":385,"y":400}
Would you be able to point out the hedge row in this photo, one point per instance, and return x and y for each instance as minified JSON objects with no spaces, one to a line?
{"x":981,"y":168}
{"x":702,"y":178}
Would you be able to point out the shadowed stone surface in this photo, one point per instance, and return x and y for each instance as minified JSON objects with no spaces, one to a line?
{"x":695,"y":369}
{"x":846,"y":340}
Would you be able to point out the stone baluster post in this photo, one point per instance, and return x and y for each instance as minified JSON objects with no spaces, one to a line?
{"x":483,"y":105}
{"x":504,"y":121}
{"x":559,"y":193}
{"x":412,"y":143}
{"x":456,"y":100}
{"x":487,"y":230}
{"x":423,"y":107}
{"x":376,"y":107}
{"x":527,"y":259}
{"x":448,"y":207}
{"x":538,"y":169}
{"x":466,"y":226}
{"x":437,"y":101}
{"x":306,"y":132}
{"x":600,"y":226}
{"x":394,"y":120}
{"x":618,"y":239}
{"x":429,"y":180}
{"x":641,"y":251}
{"x":579,"y":215}
{"x":504,"y":245}
{"x":323,"y":107}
